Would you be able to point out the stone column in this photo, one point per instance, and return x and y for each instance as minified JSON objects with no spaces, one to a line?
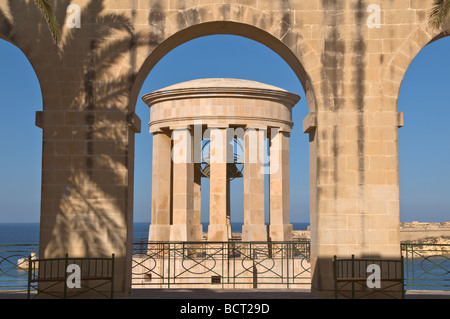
{"x":254,"y":228}
{"x":219,"y":227}
{"x":161,"y":187}
{"x":280,"y":228}
{"x":183,"y":186}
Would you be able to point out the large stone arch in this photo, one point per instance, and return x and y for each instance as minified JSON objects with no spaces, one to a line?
{"x":267,"y":28}
{"x":40,"y":65}
{"x":25,"y":38}
{"x":404,"y":56}
{"x":394,"y":74}
{"x":289,"y":45}
{"x":29,"y":165}
{"x":297,"y":53}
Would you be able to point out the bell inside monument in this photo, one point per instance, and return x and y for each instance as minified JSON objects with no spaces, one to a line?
{"x":234,"y":170}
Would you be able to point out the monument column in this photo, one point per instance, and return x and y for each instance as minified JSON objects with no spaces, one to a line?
{"x":219,"y":227}
{"x":254,"y":228}
{"x":161,"y":187}
{"x":280,"y":228}
{"x":183,"y":186}
{"x":197,"y":130}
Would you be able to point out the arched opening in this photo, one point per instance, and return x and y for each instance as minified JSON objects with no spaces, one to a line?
{"x":224,"y":28}
{"x":424,"y":176}
{"x":21,"y":148}
{"x":224,"y":56}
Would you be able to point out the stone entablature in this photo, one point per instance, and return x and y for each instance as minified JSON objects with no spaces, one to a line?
{"x":219,"y":102}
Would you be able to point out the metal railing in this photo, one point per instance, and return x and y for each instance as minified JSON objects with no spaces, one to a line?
{"x":49,"y":277}
{"x":351,"y":278}
{"x":221,"y":264}
{"x":427,"y":266}
{"x":14,"y":265}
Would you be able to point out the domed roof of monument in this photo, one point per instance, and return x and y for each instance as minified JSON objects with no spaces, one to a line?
{"x":224,"y":87}
{"x":221,"y":83}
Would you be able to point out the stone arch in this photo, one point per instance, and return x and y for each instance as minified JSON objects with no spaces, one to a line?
{"x":278,"y":35}
{"x":22,"y":161}
{"x":400,"y":64}
{"x":42,"y":64}
{"x":289,"y":45}
{"x":34,"y":65}
{"x":402,"y":59}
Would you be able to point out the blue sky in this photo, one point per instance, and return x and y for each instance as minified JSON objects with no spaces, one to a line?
{"x":424,"y":141}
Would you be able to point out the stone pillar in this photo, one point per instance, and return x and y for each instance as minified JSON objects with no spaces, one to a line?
{"x":219,"y":227}
{"x":254,"y":228}
{"x":354,"y":190}
{"x":280,"y":228}
{"x":161,"y":187}
{"x":183,"y":186}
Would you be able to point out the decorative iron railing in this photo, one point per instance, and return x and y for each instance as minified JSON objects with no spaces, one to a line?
{"x":50,"y":277}
{"x":14,"y":265}
{"x":427,"y":266}
{"x":234,"y":264}
{"x":221,"y":265}
{"x":351,"y":278}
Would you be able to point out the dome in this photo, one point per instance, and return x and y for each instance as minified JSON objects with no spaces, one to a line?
{"x":220,"y":86}
{"x":221,"y":83}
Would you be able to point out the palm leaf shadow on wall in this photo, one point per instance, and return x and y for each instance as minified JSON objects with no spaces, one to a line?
{"x":87,"y":194}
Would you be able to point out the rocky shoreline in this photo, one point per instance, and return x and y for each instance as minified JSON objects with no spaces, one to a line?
{"x":433,"y":238}
{"x":429,"y":239}
{"x":410,"y":232}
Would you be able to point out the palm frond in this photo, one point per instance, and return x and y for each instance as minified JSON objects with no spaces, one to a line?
{"x":47,"y":11}
{"x":439,"y":13}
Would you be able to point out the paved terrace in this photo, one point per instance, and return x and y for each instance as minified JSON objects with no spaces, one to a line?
{"x":233,"y":294}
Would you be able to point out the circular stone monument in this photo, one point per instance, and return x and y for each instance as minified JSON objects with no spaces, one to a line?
{"x":244,"y":126}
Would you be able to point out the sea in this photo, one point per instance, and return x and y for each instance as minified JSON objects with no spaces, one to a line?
{"x":28,"y":233}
